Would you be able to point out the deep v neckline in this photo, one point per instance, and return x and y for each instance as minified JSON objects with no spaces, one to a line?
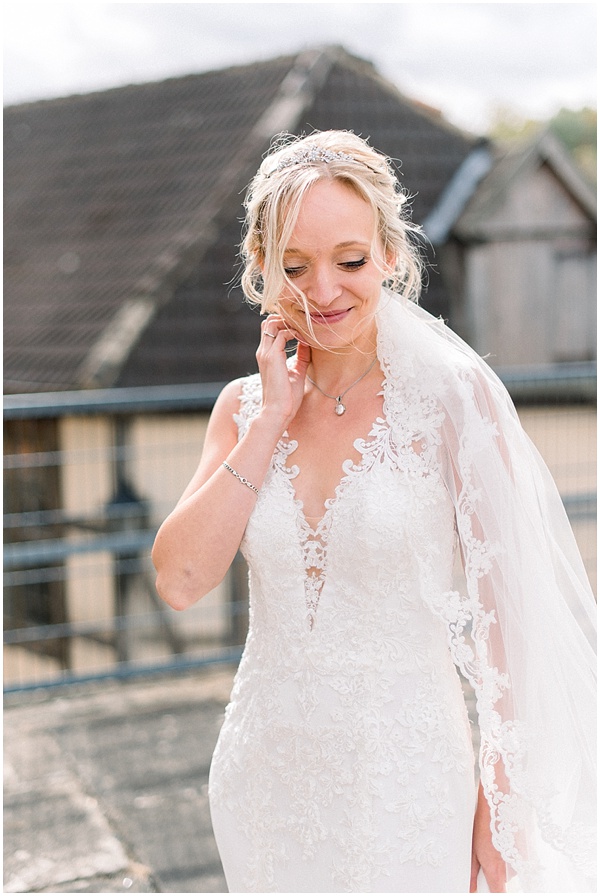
{"x":314,"y":542}
{"x":350,"y":470}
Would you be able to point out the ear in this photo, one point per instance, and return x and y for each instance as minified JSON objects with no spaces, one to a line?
{"x":390,"y":259}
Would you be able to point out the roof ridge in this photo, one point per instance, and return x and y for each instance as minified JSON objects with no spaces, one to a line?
{"x":189,"y":76}
{"x":556,"y":154}
{"x":141,"y":85}
{"x":545,"y":146}
{"x":155,"y":288}
{"x":368,"y":68}
{"x":512,"y":161}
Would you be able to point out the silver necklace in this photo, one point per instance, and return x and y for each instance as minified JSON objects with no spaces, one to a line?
{"x":339,"y":407}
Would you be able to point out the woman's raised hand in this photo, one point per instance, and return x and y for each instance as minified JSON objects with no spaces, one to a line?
{"x":283,"y":385}
{"x":198,"y":541}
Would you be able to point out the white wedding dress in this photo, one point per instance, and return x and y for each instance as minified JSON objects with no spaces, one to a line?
{"x":345,"y":761}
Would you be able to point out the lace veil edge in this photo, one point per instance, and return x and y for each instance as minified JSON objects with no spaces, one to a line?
{"x":523,"y":631}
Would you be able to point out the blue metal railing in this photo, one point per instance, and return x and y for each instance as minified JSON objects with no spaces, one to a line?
{"x":123,"y":532}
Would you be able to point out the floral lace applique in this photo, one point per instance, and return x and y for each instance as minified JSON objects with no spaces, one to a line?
{"x":351,"y":730}
{"x":314,"y":542}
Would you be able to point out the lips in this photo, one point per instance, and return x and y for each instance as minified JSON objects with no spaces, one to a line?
{"x":329,"y":317}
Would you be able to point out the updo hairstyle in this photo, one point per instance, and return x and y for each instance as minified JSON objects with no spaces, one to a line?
{"x":273,"y":203}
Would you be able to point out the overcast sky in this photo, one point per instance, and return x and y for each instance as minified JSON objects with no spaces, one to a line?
{"x":464,"y":58}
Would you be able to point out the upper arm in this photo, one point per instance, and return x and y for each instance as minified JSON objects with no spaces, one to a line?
{"x":221,"y":437}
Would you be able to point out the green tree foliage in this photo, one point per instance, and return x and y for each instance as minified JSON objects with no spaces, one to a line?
{"x":578,"y":130}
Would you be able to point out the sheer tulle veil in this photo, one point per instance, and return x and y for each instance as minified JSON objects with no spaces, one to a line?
{"x":523,"y":629}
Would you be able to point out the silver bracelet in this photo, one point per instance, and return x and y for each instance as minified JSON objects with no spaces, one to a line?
{"x":242,"y":479}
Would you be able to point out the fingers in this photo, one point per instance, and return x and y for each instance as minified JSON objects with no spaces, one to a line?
{"x":475,"y":866}
{"x":274,"y":329}
{"x":270,"y":326}
{"x":303,"y":357}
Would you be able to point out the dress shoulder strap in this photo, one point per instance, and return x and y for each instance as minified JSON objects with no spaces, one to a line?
{"x":250,"y":402}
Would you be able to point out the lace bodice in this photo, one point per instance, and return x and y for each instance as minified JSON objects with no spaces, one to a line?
{"x":346,"y":672}
{"x":389,"y":509}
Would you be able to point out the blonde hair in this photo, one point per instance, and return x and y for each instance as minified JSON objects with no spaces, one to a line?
{"x":273,"y":202}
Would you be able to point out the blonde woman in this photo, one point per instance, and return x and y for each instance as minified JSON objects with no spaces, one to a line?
{"x":351,"y":474}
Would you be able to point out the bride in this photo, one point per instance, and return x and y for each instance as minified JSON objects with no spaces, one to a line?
{"x":350,"y":475}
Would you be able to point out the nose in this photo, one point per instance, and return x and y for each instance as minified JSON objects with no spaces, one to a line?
{"x":323,"y":287}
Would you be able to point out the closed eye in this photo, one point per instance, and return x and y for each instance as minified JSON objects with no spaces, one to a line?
{"x":353,"y":265}
{"x":346,"y":265}
{"x":294,"y":272}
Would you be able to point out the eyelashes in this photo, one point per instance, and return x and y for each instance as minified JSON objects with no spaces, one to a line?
{"x":294,"y":272}
{"x":354,"y":265}
{"x":345,"y":265}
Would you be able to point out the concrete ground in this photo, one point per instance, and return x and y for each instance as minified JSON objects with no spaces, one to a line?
{"x":106,"y":787}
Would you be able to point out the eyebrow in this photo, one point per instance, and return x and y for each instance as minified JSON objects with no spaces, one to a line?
{"x":343,"y":245}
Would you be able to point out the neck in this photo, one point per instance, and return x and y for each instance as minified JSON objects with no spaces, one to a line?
{"x":333,"y":371}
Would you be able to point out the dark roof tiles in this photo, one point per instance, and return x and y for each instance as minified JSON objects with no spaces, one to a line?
{"x":106,"y":193}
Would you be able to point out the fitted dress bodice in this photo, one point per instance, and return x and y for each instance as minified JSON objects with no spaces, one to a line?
{"x":345,"y":761}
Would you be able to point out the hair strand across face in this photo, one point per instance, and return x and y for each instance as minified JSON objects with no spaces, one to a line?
{"x":275,"y":195}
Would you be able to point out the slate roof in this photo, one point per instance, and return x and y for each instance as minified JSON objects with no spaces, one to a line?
{"x":123,"y":208}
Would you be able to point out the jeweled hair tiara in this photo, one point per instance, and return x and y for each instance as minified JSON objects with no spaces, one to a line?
{"x":310,"y":156}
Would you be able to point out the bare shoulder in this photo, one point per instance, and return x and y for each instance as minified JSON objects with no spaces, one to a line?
{"x":221,"y":435}
{"x":222,"y":432}
{"x":227,"y":405}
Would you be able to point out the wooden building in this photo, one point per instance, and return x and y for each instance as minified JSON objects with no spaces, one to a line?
{"x":516,"y":233}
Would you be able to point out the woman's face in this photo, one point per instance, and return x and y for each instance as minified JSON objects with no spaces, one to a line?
{"x":330,"y":257}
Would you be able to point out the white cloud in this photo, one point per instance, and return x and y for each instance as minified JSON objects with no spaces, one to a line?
{"x":466,"y":58}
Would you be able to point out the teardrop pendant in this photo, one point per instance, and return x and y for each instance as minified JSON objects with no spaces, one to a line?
{"x":339,"y":407}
